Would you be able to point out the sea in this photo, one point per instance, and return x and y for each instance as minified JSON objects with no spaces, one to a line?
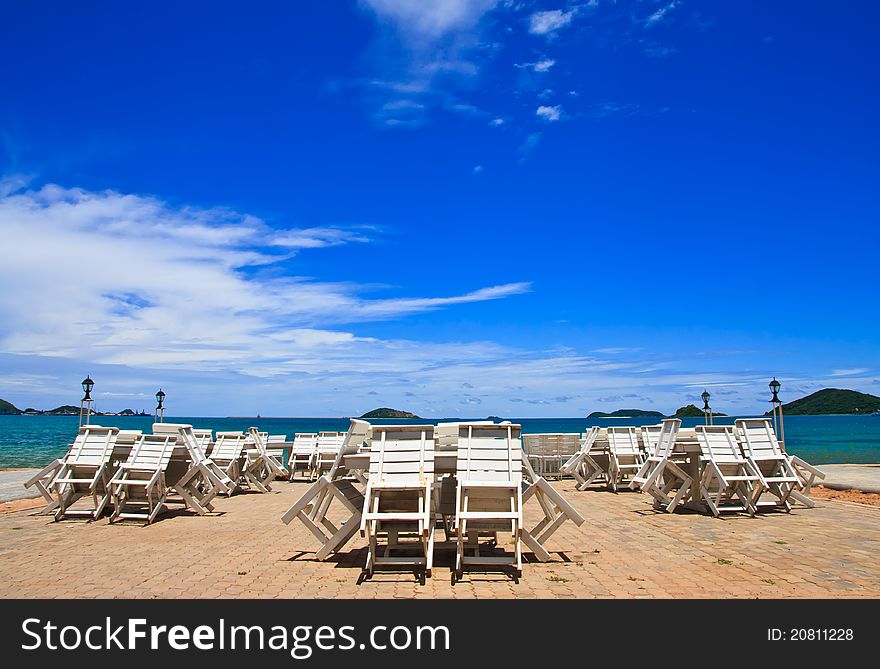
{"x":34,"y":441}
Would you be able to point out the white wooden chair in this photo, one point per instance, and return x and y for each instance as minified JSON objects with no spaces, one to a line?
{"x":204,"y":479}
{"x":624,"y":455}
{"x":140,"y":480}
{"x":761,"y":448}
{"x":85,"y":470}
{"x":581,"y":465}
{"x":275,"y":445}
{"x":262,"y":468}
{"x":313,"y":507}
{"x":650,"y":435}
{"x":228,"y":454}
{"x":489,"y":494}
{"x":327,"y":447}
{"x":556,"y":510}
{"x":446,"y":433}
{"x":659,"y":475}
{"x":729,"y":482}
{"x":807,"y":474}
{"x":302,"y":454}
{"x":398,"y":499}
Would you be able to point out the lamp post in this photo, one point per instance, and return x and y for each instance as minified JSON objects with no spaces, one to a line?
{"x":160,"y":408}
{"x":707,"y":412}
{"x":85,"y":404}
{"x":776,"y":403}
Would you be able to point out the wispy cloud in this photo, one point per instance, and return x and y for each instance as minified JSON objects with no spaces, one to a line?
{"x":127,"y":279}
{"x":424,"y":53}
{"x":550,"y":21}
{"x":542,"y":65}
{"x":549,"y":112}
{"x":855,"y":371}
{"x":660,"y":14}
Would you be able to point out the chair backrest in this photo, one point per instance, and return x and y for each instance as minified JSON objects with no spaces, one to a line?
{"x":93,"y":446}
{"x":127,"y":437}
{"x":758,"y":438}
{"x":589,"y":439}
{"x":650,"y":435}
{"x":330,"y":441}
{"x":152,"y":452}
{"x":352,"y":442}
{"x":258,"y":439}
{"x":489,"y":453}
{"x":666,"y":439}
{"x":623,"y":440}
{"x":204,"y":436}
{"x":402,"y":454}
{"x":446,"y":434}
{"x":304,"y":442}
{"x":228,"y":446}
{"x":185,"y":436}
{"x":718,"y":443}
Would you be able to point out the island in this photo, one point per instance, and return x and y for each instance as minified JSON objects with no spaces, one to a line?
{"x":626,"y":413}
{"x":691,"y":411}
{"x":385,"y":412}
{"x":832,"y":401}
{"x":8,"y":408}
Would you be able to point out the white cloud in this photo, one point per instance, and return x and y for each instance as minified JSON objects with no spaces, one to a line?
{"x":660,"y":14}
{"x":125,"y":279}
{"x":856,"y":371}
{"x":548,"y":22}
{"x":496,"y":122}
{"x":477,"y":169}
{"x":426,"y":52}
{"x":549,"y":112}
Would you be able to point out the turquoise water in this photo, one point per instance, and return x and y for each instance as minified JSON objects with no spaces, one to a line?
{"x":33,"y":441}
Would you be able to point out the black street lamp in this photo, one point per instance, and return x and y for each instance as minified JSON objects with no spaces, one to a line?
{"x":87,"y":385}
{"x":774,"y":388}
{"x":707,"y":412}
{"x":85,"y":404}
{"x":160,"y":408}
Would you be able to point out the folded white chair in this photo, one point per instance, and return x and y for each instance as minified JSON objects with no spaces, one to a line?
{"x":85,"y":470}
{"x":650,"y":435}
{"x":762,"y":449}
{"x":659,"y":475}
{"x":204,"y":479}
{"x":489,"y":494}
{"x":581,"y":465}
{"x":263,"y":468}
{"x":326,"y":448}
{"x":555,"y":507}
{"x":398,"y":499}
{"x":730,"y":482}
{"x":302,"y":454}
{"x":624,"y":454}
{"x":140,"y":480}
{"x":275,"y":446}
{"x":228,"y":454}
{"x":313,"y":507}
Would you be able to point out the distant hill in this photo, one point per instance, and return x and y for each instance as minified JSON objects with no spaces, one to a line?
{"x":691,"y":411}
{"x":832,"y":401}
{"x":7,"y":408}
{"x":385,"y":412}
{"x":626,"y":413}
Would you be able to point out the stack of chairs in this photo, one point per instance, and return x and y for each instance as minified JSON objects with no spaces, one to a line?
{"x":582,"y":466}
{"x":660,"y":475}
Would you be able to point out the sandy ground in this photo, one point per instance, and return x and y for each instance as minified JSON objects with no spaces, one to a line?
{"x":857,"y":496}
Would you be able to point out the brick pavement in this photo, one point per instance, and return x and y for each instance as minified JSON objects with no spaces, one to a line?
{"x":625,"y":549}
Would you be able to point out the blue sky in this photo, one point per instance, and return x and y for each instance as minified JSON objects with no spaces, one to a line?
{"x":457,"y":208}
